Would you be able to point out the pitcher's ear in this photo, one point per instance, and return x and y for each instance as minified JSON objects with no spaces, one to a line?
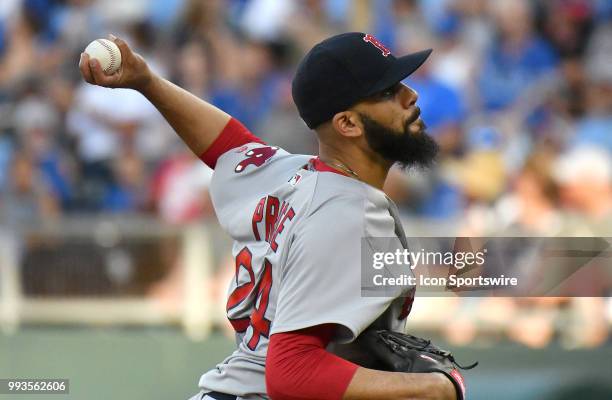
{"x":347,"y":123}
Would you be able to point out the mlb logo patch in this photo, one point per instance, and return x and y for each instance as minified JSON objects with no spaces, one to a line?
{"x":295,"y":179}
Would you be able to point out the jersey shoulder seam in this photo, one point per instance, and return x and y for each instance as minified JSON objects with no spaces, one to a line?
{"x":311,"y":196}
{"x":337,"y":197}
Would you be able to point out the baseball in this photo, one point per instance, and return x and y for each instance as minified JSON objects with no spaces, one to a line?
{"x":107,"y":53}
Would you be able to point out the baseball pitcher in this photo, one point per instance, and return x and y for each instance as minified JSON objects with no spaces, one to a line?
{"x":303,"y":330}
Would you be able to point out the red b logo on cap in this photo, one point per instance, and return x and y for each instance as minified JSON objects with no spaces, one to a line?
{"x":371,"y":39}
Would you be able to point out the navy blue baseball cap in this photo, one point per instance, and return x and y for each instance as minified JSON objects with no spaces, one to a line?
{"x":344,"y":69}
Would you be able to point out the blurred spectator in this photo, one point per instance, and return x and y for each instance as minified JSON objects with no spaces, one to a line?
{"x":584,"y":175}
{"x":310,"y":23}
{"x":454,"y":60}
{"x":535,"y":325}
{"x":596,"y":124}
{"x":409,"y":23}
{"x":569,"y":98}
{"x":127,"y":192}
{"x":35,"y":123}
{"x":283,"y":126}
{"x":2,"y":38}
{"x":568,"y":25}
{"x":264,"y":19}
{"x":19,"y":57}
{"x":77,"y":22}
{"x":164,"y":13}
{"x":517,"y":59}
{"x":599,"y":53}
{"x":252,"y":97}
{"x":122,"y":13}
{"x":6,"y":154}
{"x":106,"y":123}
{"x":26,"y":200}
{"x":193,"y":69}
{"x":532,"y":206}
{"x":586,"y":323}
{"x":180,"y":188}
{"x":200,"y":20}
{"x":481,"y":173}
{"x":8,"y":8}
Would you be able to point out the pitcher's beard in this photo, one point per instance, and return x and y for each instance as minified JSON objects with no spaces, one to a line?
{"x":406,"y":148}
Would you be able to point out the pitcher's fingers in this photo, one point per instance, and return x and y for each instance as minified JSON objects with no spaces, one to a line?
{"x":99,"y":76}
{"x":126,"y":52}
{"x":84,"y":68}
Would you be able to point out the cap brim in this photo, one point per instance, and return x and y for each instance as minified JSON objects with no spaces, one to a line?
{"x":404,"y":66}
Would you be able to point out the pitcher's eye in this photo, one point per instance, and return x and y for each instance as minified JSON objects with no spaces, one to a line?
{"x":390,"y":92}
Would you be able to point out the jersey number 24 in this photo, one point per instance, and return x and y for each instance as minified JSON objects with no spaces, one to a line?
{"x":252,"y":291}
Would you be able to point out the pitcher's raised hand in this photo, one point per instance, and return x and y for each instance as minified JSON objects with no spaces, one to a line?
{"x":134,"y":72}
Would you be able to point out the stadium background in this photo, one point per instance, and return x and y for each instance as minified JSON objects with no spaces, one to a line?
{"x":112,"y":267}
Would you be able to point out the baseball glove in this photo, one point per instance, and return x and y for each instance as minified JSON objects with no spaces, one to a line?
{"x":406,"y":353}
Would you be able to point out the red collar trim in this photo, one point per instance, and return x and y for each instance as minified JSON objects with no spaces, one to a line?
{"x":320,"y":166}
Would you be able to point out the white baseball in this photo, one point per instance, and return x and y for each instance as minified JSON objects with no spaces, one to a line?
{"x":107,"y":53}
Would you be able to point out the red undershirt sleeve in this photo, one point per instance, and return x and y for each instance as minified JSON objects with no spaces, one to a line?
{"x":298,"y":367}
{"x":233,"y":135}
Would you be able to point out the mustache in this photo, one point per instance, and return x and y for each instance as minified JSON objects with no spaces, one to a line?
{"x":414,"y":119}
{"x":414,"y":115}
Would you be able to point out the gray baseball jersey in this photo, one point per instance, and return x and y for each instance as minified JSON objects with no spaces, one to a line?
{"x":297,"y":228}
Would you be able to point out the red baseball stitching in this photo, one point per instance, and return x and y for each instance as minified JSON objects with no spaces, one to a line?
{"x":112,"y":55}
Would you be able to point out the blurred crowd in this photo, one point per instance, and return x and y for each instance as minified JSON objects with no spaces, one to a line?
{"x":517,"y":93}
